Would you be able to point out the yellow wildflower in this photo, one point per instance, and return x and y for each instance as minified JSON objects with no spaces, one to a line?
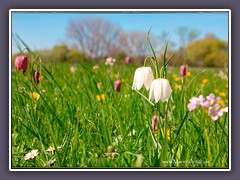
{"x":204,"y":81}
{"x":216,"y":90}
{"x":178,"y":87}
{"x":221,"y":102}
{"x":35,"y":95}
{"x":40,"y":77}
{"x":223,"y":94}
{"x":189,"y":74}
{"x":115,"y":76}
{"x":168,"y":134}
{"x":102,"y":96}
{"x":226,"y":85}
{"x":174,"y":75}
{"x":122,"y":80}
{"x":99,"y":85}
{"x":98,"y":98}
{"x":177,"y":79}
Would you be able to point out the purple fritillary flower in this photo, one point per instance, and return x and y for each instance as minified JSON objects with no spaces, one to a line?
{"x":154,"y":123}
{"x":21,"y":62}
{"x":183,"y":70}
{"x":117,"y":85}
{"x":36,"y":76}
{"x":128,"y":60}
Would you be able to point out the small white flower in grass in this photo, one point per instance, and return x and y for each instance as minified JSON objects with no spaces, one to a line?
{"x":52,"y":149}
{"x":95,"y":67}
{"x":120,"y":138}
{"x":73,"y":69}
{"x":117,"y":139}
{"x":143,"y":76}
{"x":133,"y":133}
{"x":110,"y":61}
{"x":31,"y":155}
{"x":160,"y":90}
{"x":224,"y":109}
{"x":126,"y":95}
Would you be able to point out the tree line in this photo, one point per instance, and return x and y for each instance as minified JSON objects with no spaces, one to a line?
{"x":94,"y":39}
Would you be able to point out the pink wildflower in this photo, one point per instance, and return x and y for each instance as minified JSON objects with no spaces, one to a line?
{"x":194,"y":102}
{"x":21,"y":62}
{"x":205,"y":103}
{"x":110,"y":61}
{"x":215,"y":112}
{"x":128,"y":60}
{"x":117,"y":85}
{"x":36,"y":76}
{"x":183,"y":70}
{"x":211,"y":97}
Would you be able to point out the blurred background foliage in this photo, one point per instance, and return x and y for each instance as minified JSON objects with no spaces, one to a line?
{"x":95,"y":39}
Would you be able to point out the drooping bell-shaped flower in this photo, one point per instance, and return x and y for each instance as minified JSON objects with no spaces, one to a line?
{"x":142,"y":76}
{"x":36,"y":76}
{"x":21,"y":63}
{"x":183,"y":70}
{"x":160,"y":90}
{"x":128,"y":60}
{"x":117,"y":85}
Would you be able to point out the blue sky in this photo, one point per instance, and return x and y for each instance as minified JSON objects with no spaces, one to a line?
{"x":44,"y":30}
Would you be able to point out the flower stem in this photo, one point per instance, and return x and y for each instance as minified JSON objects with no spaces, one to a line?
{"x":165,"y":145}
{"x":153,"y":62}
{"x":208,"y":144}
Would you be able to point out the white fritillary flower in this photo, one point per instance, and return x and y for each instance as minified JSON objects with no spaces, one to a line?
{"x":160,"y":90}
{"x":143,"y":76}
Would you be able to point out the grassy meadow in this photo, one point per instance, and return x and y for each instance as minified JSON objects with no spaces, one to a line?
{"x":75,"y":118}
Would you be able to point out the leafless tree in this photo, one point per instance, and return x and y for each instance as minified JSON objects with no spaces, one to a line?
{"x":134,"y":43}
{"x":186,"y":36}
{"x":162,"y":40}
{"x":94,"y":36}
{"x":192,"y":35}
